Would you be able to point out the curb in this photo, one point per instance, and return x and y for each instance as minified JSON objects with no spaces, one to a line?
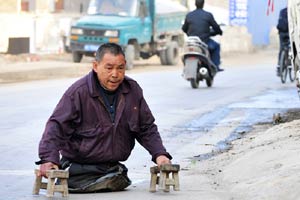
{"x":42,"y":74}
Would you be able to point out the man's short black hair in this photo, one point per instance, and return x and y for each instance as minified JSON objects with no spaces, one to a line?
{"x":112,"y":48}
{"x":199,"y":3}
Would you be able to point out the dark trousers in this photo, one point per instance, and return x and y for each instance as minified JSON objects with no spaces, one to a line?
{"x":214,"y":50}
{"x":85,"y":178}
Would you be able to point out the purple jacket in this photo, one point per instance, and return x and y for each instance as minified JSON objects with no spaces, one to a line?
{"x":81,"y":130}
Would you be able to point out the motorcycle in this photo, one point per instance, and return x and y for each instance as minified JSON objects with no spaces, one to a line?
{"x":197,"y":63}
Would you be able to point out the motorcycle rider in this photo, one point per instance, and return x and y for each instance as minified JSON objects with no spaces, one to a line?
{"x":283,"y":31}
{"x":199,"y":23}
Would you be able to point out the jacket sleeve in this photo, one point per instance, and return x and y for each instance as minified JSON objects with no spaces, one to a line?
{"x":59,"y":128}
{"x":215,"y":26}
{"x":185,"y":26}
{"x":149,"y":136}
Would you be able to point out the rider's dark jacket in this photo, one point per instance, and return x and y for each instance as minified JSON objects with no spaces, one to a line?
{"x":81,"y":129}
{"x":283,"y":25}
{"x":199,"y":22}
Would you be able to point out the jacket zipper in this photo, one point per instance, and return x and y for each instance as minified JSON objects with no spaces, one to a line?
{"x":112,"y":123}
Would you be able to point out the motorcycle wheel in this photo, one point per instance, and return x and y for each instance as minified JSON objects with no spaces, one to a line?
{"x":194,"y":83}
{"x":209,"y":82}
{"x":283,"y":66}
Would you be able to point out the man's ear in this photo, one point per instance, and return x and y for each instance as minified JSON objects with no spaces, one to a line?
{"x":95,"y":66}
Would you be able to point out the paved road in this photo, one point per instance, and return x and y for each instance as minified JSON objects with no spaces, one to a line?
{"x":192,"y":122}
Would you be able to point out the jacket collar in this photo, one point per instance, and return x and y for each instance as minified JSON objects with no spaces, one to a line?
{"x":92,"y":84}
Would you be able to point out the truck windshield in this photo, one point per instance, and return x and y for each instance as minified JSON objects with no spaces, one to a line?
{"x":113,"y":7}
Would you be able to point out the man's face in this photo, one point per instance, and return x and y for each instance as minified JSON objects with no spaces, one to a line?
{"x":110,"y":71}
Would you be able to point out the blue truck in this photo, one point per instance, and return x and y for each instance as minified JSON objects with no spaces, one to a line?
{"x":143,"y":28}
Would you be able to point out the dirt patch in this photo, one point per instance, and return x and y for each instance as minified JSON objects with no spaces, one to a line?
{"x":291,"y":115}
{"x":263,"y":164}
{"x":288,"y":116}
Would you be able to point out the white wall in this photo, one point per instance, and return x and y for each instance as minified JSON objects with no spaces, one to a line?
{"x":45,"y":30}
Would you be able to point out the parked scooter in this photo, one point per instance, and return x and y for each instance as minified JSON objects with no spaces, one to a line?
{"x":197,"y":63}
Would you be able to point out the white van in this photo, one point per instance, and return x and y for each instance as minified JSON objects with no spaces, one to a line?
{"x":294,"y":30}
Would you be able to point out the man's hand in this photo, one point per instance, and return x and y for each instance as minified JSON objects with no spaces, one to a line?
{"x":161,"y":160}
{"x":46,"y":166}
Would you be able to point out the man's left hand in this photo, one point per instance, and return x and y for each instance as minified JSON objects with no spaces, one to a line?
{"x":161,"y":160}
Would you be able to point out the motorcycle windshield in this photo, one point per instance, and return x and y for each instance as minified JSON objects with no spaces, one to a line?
{"x":113,"y":7}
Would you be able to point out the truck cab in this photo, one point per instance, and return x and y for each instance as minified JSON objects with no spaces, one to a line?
{"x":110,"y":21}
{"x":135,"y":25}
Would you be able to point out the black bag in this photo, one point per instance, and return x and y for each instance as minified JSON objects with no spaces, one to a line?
{"x":96,"y":178}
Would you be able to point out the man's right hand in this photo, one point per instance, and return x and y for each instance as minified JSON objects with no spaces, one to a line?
{"x":46,"y":166}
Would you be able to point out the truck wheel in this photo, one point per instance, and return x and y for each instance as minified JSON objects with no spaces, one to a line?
{"x":163,"y":57}
{"x":136,"y":53}
{"x":172,"y":53}
{"x":77,"y":56}
{"x":129,"y":55}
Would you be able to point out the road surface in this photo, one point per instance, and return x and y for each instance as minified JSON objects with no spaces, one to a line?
{"x":193,"y":123}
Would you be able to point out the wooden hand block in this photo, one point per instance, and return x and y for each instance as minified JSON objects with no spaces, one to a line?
{"x":165,"y":176}
{"x":52,"y":186}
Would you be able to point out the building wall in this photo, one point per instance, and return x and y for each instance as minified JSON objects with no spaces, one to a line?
{"x":42,"y":6}
{"x":76,"y":6}
{"x":42,"y":24}
{"x":218,"y":3}
{"x":260,"y":22}
{"x":45,"y":27}
{"x":9,"y":6}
